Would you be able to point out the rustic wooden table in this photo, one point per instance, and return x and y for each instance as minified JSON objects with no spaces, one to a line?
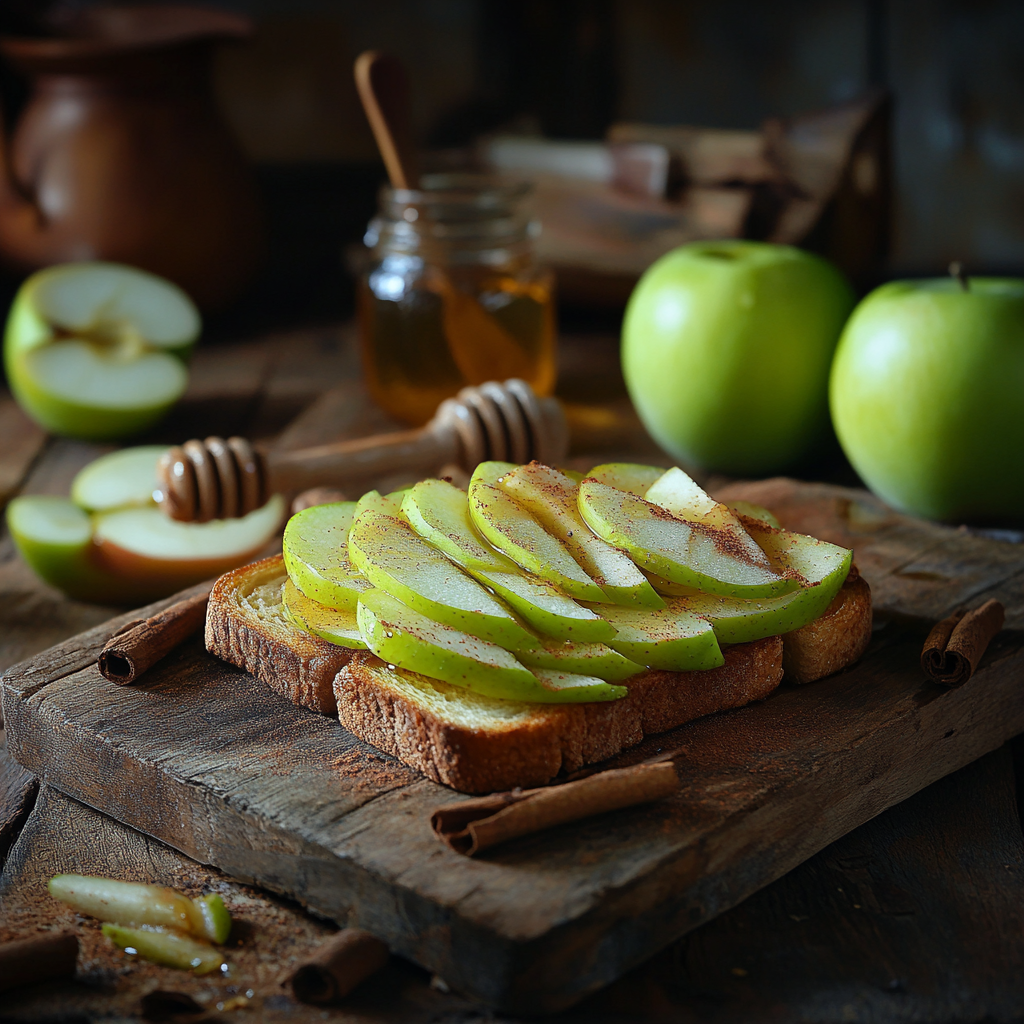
{"x":915,"y":916}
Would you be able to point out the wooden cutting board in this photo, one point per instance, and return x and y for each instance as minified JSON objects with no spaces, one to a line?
{"x":206,"y":759}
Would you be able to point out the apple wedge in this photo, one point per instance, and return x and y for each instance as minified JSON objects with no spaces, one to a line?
{"x":670,"y":638}
{"x":403,"y":637}
{"x":146,"y":547}
{"x":586,"y":659}
{"x":374,"y":501}
{"x":439,"y":512}
{"x":397,"y":560}
{"x":688,"y":553}
{"x":677,"y":492}
{"x":513,"y":531}
{"x":122,"y":478}
{"x":752,"y":511}
{"x":315,"y":548}
{"x":552,"y":498}
{"x":97,"y":350}
{"x":626,"y":476}
{"x":331,"y":624}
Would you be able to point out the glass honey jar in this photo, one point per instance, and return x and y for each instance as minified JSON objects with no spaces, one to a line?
{"x":453,"y":294}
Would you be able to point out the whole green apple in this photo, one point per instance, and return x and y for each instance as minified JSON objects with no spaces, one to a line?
{"x":927,"y":396}
{"x":726,"y":348}
{"x":98,"y":350}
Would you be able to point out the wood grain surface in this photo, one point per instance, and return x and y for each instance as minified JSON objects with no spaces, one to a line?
{"x":211,"y":762}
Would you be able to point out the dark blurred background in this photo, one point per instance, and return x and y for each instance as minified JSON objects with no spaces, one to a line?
{"x":570,"y":68}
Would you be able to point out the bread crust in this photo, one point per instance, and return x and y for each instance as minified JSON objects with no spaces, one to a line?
{"x":295,"y":664}
{"x":834,"y":641}
{"x":378,"y":705}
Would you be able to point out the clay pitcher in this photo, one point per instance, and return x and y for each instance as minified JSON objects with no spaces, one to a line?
{"x":120,"y":153}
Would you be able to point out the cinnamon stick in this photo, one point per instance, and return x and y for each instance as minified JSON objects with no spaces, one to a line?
{"x":475,"y":825}
{"x":955,"y":645}
{"x":41,"y":958}
{"x":140,"y":645}
{"x":338,"y":965}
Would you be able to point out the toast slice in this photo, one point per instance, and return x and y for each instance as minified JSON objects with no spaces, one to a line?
{"x":480,"y":744}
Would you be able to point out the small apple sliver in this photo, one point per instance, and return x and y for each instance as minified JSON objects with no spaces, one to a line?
{"x":315,"y":548}
{"x":680,"y":494}
{"x":681,"y":552}
{"x":589,"y":659}
{"x":571,"y":687}
{"x":165,"y":947}
{"x":122,"y":478}
{"x":75,"y":372}
{"x":552,"y":498}
{"x":396,"y":559}
{"x":403,"y":637}
{"x":626,"y":476}
{"x":670,"y":638}
{"x":817,"y":561}
{"x":337,"y":626}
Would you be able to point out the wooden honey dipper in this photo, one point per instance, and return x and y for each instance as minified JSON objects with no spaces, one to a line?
{"x":218,"y":479}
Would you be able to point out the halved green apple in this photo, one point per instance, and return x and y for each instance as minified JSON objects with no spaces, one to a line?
{"x":671,"y":638}
{"x":97,"y":350}
{"x":334,"y":625}
{"x":632,"y":477}
{"x":407,"y":639}
{"x":552,"y":498}
{"x":513,"y":531}
{"x":681,"y":495}
{"x":397,"y":560}
{"x":118,"y":480}
{"x":439,"y":512}
{"x":315,"y":548}
{"x":688,"y":553}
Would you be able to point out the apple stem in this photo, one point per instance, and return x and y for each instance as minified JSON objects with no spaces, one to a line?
{"x":956,"y":270}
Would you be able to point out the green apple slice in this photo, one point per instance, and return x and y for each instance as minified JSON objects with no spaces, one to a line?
{"x":336,"y":626}
{"x":439,"y":512}
{"x":816,"y":561}
{"x":316,"y":555}
{"x":671,"y":638}
{"x":681,"y":495}
{"x":552,"y":498}
{"x":396,"y":559}
{"x":587,"y":659}
{"x":387,"y":504}
{"x":571,"y":687}
{"x":122,"y":478}
{"x":406,"y":639}
{"x":688,"y":553}
{"x":752,"y":511}
{"x":165,"y":947}
{"x":97,"y":350}
{"x":626,"y":476}
{"x":513,"y":531}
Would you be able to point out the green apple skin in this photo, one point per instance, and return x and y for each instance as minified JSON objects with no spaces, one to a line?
{"x":27,"y":330}
{"x":927,"y":397}
{"x":726,"y":349}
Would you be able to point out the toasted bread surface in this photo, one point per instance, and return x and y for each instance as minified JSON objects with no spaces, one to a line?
{"x":478,"y":744}
{"x":834,"y":641}
{"x":246,"y":626}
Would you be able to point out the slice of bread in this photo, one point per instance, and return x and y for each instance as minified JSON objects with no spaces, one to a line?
{"x":480,"y":744}
{"x":246,"y":625}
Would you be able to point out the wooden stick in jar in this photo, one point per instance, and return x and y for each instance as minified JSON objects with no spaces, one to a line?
{"x":337,"y":966}
{"x":140,"y":645}
{"x":475,"y":825}
{"x":41,"y":958}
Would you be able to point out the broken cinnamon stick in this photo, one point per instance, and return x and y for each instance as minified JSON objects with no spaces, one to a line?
{"x":475,"y":825}
{"x":41,"y":958}
{"x":338,"y":965}
{"x":955,"y":645}
{"x":140,"y":645}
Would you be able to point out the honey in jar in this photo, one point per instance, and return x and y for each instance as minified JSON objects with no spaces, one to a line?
{"x":453,"y":295}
